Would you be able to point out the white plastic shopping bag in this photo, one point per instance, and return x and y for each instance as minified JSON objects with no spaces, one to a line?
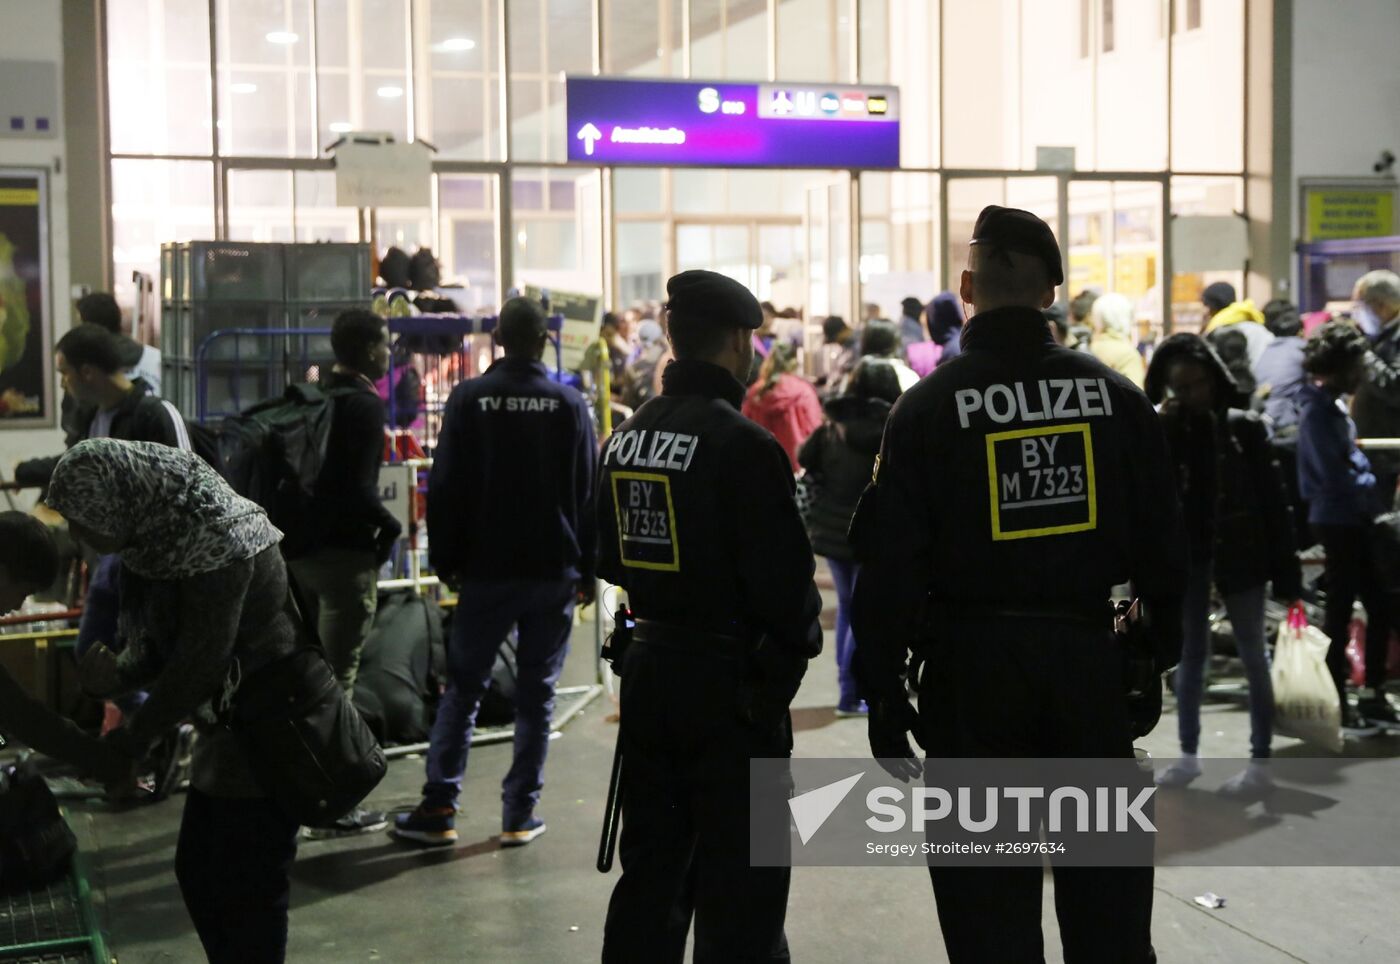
{"x":1305,"y":698}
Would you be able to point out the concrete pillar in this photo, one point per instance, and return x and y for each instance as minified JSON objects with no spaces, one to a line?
{"x":1269,"y":147}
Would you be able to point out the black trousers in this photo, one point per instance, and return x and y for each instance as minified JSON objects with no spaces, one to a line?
{"x":1022,"y":688}
{"x":233,"y":862}
{"x":685,"y":819}
{"x":1351,"y":572}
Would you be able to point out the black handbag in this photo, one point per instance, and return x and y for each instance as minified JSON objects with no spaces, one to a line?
{"x":310,"y":749}
{"x":36,"y":844}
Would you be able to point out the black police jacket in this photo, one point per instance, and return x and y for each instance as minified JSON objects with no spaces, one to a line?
{"x":1020,"y":475}
{"x":697,"y":518}
{"x":510,"y":495}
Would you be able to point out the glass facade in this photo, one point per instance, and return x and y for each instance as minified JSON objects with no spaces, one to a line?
{"x":222,"y":110}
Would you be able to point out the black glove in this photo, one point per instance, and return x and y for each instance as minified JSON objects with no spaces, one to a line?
{"x":890,"y":723}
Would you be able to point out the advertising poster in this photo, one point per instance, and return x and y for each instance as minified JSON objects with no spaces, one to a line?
{"x":26,"y":381}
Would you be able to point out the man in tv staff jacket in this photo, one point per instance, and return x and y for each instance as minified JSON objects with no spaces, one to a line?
{"x":697,"y":521}
{"x":511,"y":522}
{"x":1015,"y":487}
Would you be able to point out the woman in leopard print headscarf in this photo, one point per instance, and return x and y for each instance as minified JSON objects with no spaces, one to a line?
{"x":203,"y":588}
{"x":170,"y":513}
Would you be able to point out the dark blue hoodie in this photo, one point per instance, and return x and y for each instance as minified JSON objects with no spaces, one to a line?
{"x":511,"y":491}
{"x":1333,"y":475}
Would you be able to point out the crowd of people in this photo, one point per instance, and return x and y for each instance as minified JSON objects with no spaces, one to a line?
{"x":1256,"y":487}
{"x":193,"y":588}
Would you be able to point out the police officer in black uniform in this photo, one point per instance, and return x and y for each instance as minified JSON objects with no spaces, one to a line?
{"x":1015,"y":487}
{"x":697,"y":521}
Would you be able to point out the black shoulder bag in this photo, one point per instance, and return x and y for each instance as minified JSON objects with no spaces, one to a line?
{"x":36,"y":844}
{"x":310,"y":749}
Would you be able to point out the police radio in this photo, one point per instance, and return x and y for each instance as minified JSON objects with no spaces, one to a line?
{"x":616,"y":646}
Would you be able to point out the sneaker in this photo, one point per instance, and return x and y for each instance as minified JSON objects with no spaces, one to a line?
{"x":355,"y":822}
{"x":523,"y":834}
{"x":847,"y":710}
{"x":434,"y":826}
{"x":1379,"y":710}
{"x":1180,"y":773}
{"x":1251,"y":783}
{"x":1354,"y":724}
{"x":171,"y":761}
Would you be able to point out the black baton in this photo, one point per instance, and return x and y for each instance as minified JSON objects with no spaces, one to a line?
{"x":607,"y":845}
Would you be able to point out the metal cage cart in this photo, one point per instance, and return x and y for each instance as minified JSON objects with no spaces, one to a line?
{"x":207,"y":287}
{"x":53,"y":925}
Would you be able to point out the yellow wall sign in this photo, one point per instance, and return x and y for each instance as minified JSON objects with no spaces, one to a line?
{"x":1335,"y":213}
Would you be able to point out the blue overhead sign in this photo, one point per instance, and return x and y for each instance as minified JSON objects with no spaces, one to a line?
{"x":721,"y":124}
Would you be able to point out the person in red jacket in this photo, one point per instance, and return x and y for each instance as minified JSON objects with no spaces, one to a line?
{"x":784,"y":402}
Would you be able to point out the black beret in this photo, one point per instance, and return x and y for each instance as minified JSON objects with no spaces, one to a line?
{"x":1012,"y":229}
{"x":708,"y":296}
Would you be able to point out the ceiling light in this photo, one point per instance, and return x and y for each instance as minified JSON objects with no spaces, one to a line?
{"x":457,"y":44}
{"x":243,"y":88}
{"x":341,"y":127}
{"x":390,"y":92}
{"x":282,"y":37}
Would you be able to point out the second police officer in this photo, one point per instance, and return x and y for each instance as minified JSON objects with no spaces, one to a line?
{"x":697,"y":521}
{"x":1016,"y":485}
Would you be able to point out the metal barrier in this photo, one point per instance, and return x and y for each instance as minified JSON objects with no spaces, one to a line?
{"x":201,"y":361}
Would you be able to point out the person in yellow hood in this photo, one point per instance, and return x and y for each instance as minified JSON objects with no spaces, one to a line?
{"x":1224,"y":309}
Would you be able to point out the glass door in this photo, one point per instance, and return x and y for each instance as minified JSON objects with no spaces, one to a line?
{"x":1114,"y":243}
{"x":1111,"y":232}
{"x":827,"y":232}
{"x":967,"y":196}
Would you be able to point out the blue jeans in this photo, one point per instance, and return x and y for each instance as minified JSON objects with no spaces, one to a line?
{"x":843,"y":574}
{"x":1246,"y":611}
{"x":543,"y":611}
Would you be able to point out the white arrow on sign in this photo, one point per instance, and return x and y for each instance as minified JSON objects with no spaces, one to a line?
{"x":588,"y":135}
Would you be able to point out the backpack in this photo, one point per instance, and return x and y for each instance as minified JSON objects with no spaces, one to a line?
{"x":36,"y":844}
{"x":272,"y":454}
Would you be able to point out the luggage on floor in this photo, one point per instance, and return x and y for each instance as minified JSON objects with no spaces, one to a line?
{"x":402,"y":668}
